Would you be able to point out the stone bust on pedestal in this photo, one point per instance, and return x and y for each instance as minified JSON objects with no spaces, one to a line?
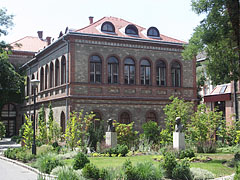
{"x":178,"y":136}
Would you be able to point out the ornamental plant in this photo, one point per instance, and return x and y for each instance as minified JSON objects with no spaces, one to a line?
{"x":125,"y":133}
{"x":2,"y":130}
{"x":151,"y":131}
{"x":50,"y":124}
{"x":28,"y":133}
{"x":42,"y":128}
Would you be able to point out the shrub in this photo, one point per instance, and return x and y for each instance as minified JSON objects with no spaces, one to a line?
{"x":151,"y":131}
{"x":2,"y":130}
{"x":10,"y":153}
{"x":80,"y":160}
{"x":16,"y":139}
{"x":237,"y":174}
{"x":24,"y":156}
{"x":90,"y":171}
{"x":142,"y":171}
{"x":44,"y":149}
{"x":188,"y":153}
{"x":118,"y":150}
{"x":65,"y":173}
{"x":169,"y":163}
{"x":182,"y":171}
{"x":201,"y":174}
{"x":47,"y":163}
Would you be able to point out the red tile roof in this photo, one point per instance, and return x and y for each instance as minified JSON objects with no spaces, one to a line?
{"x":120,"y":24}
{"x":29,"y":43}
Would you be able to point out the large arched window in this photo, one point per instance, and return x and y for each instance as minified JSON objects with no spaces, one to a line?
{"x":176,"y":74}
{"x":57,"y":73}
{"x":145,"y":72}
{"x":108,"y":27}
{"x":51,"y":78}
{"x":97,"y":120}
{"x":125,"y":118}
{"x":131,"y":30}
{"x":129,"y":71}
{"x":41,"y":79}
{"x":28,"y":86}
{"x":151,"y":116}
{"x":112,"y":70}
{"x":153,"y":32}
{"x":161,"y":73}
{"x":8,"y":118}
{"x":46,"y":76}
{"x":63,"y":124}
{"x":63,"y":70}
{"x":95,"y":69}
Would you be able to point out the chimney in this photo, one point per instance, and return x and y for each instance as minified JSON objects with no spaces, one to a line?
{"x":40,"y":34}
{"x":48,"y":40}
{"x":90,"y":19}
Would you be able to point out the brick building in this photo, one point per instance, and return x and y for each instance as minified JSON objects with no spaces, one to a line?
{"x":114,"y":68}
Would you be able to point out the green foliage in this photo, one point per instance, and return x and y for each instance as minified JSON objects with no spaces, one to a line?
{"x":5,"y":21}
{"x":50,"y":124}
{"x":28,"y":133}
{"x":2,"y":130}
{"x":217,"y":36}
{"x":201,"y":174}
{"x":182,"y":171}
{"x":177,"y":108}
{"x":203,"y":128}
{"x":237,"y":174}
{"x":66,"y":173}
{"x":169,"y":163}
{"x":80,"y":161}
{"x":42,"y":128}
{"x":142,"y":171}
{"x":90,"y":171}
{"x":77,"y":129}
{"x":151,"y":131}
{"x":20,"y":154}
{"x":118,"y":150}
{"x":187,"y":153}
{"x":125,"y":133}
{"x":47,"y":163}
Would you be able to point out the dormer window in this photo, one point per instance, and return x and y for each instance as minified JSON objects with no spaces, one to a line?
{"x":153,"y":32}
{"x":108,"y":27}
{"x":131,"y":30}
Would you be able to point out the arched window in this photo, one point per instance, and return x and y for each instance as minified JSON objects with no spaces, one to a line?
{"x":57,"y":73}
{"x":28,"y":86}
{"x":95,"y":69}
{"x":51,"y":79}
{"x":41,"y":79}
{"x":152,"y":31}
{"x":129,"y":71}
{"x":97,"y":120}
{"x":124,"y":118}
{"x":112,"y":70}
{"x":108,"y":27}
{"x":46,"y":76}
{"x":131,"y":30}
{"x":63,"y":70}
{"x":8,"y":118}
{"x":63,"y":125}
{"x":161,"y":73}
{"x":151,"y":116}
{"x":176,"y":74}
{"x":33,"y":77}
{"x":145,"y":72}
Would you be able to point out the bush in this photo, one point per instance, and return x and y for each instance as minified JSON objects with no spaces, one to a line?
{"x":182,"y":171}
{"x":119,"y":149}
{"x":143,"y":171}
{"x":90,"y":172}
{"x":2,"y":130}
{"x":188,"y":153}
{"x":237,"y":174}
{"x":16,"y":139}
{"x":66,"y":173}
{"x":169,"y":163}
{"x":201,"y":174}
{"x":10,"y":153}
{"x":80,"y":160}
{"x":24,"y":156}
{"x":47,"y":163}
{"x":151,"y":131}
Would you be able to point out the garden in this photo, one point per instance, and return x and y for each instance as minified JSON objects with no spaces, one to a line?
{"x":212,"y":147}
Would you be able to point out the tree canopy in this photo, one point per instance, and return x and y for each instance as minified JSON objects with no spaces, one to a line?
{"x":11,"y":82}
{"x":217,"y":36}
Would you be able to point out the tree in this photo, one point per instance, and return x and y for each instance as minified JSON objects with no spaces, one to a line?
{"x":218,"y":36}
{"x":11,"y":82}
{"x":50,"y":124}
{"x":28,"y":132}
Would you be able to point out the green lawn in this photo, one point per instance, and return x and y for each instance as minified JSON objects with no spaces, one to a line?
{"x":216,"y":165}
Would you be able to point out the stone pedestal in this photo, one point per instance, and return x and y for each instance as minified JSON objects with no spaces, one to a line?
{"x":178,"y":141}
{"x":111,"y":139}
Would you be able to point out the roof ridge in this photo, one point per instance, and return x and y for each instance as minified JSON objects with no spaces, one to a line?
{"x":90,"y":24}
{"x":24,"y":38}
{"x":173,"y":38}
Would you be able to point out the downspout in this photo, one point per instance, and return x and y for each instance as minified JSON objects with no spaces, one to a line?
{"x":67,"y":79}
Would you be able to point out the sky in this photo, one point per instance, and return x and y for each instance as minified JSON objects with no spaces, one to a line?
{"x":173,"y":18}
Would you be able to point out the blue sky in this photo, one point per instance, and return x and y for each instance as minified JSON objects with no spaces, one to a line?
{"x":173,"y":18}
